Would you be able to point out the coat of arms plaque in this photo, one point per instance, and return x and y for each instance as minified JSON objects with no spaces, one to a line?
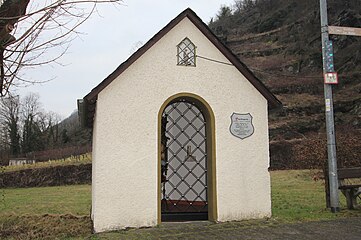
{"x":241,"y":125}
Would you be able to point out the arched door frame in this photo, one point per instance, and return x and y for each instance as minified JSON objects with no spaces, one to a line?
{"x":211,"y":151}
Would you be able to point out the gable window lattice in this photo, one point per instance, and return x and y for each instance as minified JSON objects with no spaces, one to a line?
{"x":186,"y":53}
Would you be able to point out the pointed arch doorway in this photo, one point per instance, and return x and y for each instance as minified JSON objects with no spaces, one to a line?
{"x":186,"y":160}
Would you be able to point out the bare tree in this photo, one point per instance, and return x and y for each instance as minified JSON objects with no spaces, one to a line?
{"x":224,"y":12}
{"x":31,"y":106}
{"x":31,"y":109}
{"x":48,"y":120}
{"x":9,"y":122}
{"x":47,"y":25}
{"x":49,"y":126}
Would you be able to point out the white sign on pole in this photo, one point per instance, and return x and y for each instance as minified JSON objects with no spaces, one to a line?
{"x":331,"y":78}
{"x":350,"y":31}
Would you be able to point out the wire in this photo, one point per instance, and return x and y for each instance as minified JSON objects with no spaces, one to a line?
{"x":266,"y":72}
{"x":255,"y":69}
{"x":213,"y":60}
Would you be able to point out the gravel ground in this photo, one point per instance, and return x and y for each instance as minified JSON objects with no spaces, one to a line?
{"x":343,"y":229}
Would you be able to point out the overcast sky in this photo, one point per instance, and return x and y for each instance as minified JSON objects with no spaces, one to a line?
{"x":108,"y":40}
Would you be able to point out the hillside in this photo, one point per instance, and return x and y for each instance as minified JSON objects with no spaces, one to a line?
{"x":280,"y":41}
{"x":75,"y":134}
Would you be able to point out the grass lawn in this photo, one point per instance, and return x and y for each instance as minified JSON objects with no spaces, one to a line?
{"x":74,"y":199}
{"x":63,"y":212}
{"x":297,"y":197}
{"x":45,"y":213}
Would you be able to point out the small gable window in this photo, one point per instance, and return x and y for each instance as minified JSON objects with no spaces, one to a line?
{"x":186,"y":53}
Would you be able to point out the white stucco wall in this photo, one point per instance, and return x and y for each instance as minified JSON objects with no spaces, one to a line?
{"x":125,"y":135}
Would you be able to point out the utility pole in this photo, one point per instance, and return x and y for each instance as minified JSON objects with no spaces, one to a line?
{"x":328,"y":67}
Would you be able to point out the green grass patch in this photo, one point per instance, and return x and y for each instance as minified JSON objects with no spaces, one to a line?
{"x":297,"y":197}
{"x":74,"y":199}
{"x":60,"y":212}
{"x":63,"y":212}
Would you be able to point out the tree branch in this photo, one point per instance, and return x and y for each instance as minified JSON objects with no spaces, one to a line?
{"x":33,"y":47}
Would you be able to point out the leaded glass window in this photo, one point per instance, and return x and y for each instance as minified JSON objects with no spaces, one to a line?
{"x":186,"y":53}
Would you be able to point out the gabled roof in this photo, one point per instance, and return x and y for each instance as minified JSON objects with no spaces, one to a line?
{"x":90,"y":99}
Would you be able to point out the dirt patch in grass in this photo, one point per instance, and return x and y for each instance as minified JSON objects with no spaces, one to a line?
{"x":44,"y":227}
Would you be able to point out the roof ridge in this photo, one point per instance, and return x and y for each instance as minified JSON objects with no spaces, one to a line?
{"x":91,"y":97}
